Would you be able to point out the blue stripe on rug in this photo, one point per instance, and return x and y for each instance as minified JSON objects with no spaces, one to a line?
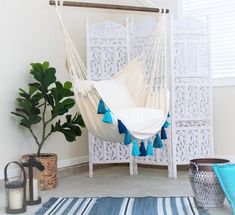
{"x":145,"y":206}
{"x":121,"y":206}
{"x":107,"y":205}
{"x":174,"y":206}
{"x":72,"y":203}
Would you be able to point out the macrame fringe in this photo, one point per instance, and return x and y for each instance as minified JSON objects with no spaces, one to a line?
{"x":150,"y":148}
{"x":157,"y":142}
{"x":143,"y":151}
{"x":101,"y":107}
{"x":163,"y":133}
{"x":107,"y":117}
{"x":127,"y":138}
{"x":121,"y":127}
{"x":135,"y":148}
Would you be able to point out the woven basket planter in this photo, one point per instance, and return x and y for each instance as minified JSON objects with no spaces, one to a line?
{"x":48,"y":177}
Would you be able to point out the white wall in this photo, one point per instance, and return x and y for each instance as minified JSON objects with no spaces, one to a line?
{"x":30,"y":33}
{"x":224,"y":121}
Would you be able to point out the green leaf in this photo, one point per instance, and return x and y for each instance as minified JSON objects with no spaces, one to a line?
{"x":58,"y":85}
{"x":79,"y":120}
{"x":24,"y":94}
{"x":37,"y":67}
{"x":67,"y":93}
{"x":26,"y":105}
{"x":36,"y":111}
{"x":69,"y":117}
{"x":59,"y":92}
{"x":68,"y":103}
{"x":44,"y":75}
{"x":49,"y":76}
{"x":35,"y":119}
{"x":20,"y":99}
{"x":37,"y":97}
{"x":19,"y":114}
{"x":76,"y":130}
{"x":32,"y":90}
{"x":69,"y":129}
{"x":50,"y":99}
{"x":35,"y":84}
{"x":45,"y":65}
{"x":21,"y":110}
{"x":68,"y":85}
{"x":37,"y":71}
{"x":26,"y":123}
{"x":69,"y":135}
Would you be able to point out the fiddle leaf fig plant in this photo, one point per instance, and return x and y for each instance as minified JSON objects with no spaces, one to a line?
{"x":45,"y":102}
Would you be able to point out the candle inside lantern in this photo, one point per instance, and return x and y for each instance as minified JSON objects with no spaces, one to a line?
{"x":15,"y":199}
{"x":35,"y":190}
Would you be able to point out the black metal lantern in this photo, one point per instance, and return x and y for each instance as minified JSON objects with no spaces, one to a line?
{"x":15,"y":191}
{"x":32,"y":168}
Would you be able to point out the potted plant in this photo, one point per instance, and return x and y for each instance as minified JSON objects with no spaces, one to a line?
{"x":44,"y":104}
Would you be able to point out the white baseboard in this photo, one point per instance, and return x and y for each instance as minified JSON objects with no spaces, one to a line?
{"x":61,"y":164}
{"x":72,"y":161}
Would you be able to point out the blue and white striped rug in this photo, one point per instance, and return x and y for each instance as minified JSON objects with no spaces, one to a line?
{"x":122,"y":206}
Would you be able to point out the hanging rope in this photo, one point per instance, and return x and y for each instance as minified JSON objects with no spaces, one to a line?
{"x":143,"y":103}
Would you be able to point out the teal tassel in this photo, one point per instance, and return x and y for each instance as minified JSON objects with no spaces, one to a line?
{"x":127,"y":139}
{"x":107,"y":117}
{"x":101,"y":107}
{"x":143,"y":151}
{"x":135,"y":149}
{"x":163,"y":133}
{"x":166,"y":124}
{"x":157,"y":142}
{"x":121,"y":127}
{"x":168,"y":115}
{"x":150,"y":148}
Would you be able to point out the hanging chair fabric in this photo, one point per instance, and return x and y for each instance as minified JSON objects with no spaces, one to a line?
{"x":137,"y":95}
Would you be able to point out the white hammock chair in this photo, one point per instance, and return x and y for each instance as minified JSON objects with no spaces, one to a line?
{"x":134,"y":103}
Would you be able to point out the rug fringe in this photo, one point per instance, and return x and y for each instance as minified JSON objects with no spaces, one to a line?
{"x":46,"y":206}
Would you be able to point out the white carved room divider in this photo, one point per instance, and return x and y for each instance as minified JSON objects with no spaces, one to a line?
{"x":191,"y":91}
{"x":107,"y":53}
{"x":110,"y":46}
{"x":140,"y":32}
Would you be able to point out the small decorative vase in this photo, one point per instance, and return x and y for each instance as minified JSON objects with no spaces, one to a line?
{"x":205,"y":185}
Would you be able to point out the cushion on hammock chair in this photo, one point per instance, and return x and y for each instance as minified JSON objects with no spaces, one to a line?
{"x":141,"y":118}
{"x":114,"y":94}
{"x":141,"y":122}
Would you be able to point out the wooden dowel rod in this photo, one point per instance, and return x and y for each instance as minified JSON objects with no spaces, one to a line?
{"x":111,"y":6}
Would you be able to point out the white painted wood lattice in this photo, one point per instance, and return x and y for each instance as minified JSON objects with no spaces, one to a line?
{"x":107,"y":53}
{"x":110,"y":46}
{"x":191,"y":91}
